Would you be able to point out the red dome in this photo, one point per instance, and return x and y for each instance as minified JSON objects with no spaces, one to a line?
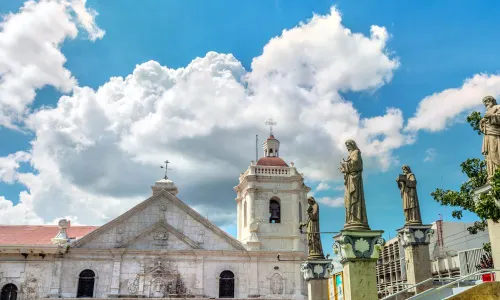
{"x":271,"y":161}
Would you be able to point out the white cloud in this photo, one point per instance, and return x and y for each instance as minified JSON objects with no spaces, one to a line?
{"x":97,"y":151}
{"x":21,"y":213}
{"x":10,"y":164}
{"x":322,"y":186}
{"x":430,"y":154}
{"x":30,"y":56}
{"x":332,"y":202}
{"x":439,"y":110}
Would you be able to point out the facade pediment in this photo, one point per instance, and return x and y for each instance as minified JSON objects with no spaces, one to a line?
{"x":156,"y":223}
{"x":160,"y":235}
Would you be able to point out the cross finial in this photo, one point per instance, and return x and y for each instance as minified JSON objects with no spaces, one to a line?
{"x":271,"y":122}
{"x":166,"y":169}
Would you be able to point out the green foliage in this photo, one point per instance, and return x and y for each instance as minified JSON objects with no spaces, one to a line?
{"x":485,"y":207}
{"x":474,"y":120}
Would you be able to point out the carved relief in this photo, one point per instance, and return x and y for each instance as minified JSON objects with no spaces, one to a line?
{"x":133,"y":287}
{"x":160,"y":280}
{"x":276,"y":284}
{"x":160,"y":238}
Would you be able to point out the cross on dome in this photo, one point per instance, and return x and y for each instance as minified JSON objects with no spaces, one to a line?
{"x":166,"y":169}
{"x":271,"y":122}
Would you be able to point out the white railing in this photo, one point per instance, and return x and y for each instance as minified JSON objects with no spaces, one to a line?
{"x":451,"y":284}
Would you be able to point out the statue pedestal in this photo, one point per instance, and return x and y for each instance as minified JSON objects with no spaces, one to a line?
{"x":415,"y":239}
{"x":316,"y":274}
{"x":358,"y":251}
{"x":493,"y":228}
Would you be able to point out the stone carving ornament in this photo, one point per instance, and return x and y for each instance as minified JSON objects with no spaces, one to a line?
{"x":354,"y":196}
{"x":315,"y":249}
{"x":276,"y":284}
{"x":407,"y":184}
{"x":490,"y":126}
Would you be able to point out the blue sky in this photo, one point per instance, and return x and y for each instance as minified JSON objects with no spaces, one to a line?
{"x":439,"y":45}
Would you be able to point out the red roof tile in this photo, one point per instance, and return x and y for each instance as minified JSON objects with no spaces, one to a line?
{"x":271,"y":161}
{"x":37,"y":234}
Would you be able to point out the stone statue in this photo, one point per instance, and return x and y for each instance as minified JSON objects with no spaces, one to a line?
{"x":354,"y":196}
{"x":407,"y":184}
{"x":313,"y":235}
{"x":490,"y":126}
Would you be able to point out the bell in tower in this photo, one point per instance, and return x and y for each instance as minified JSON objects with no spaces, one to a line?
{"x":274,"y":209}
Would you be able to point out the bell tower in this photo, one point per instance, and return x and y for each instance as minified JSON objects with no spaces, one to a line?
{"x":271,"y":201}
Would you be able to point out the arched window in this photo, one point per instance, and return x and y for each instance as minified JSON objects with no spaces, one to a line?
{"x":274,"y":210}
{"x":300,"y":212}
{"x":226,"y":284}
{"x":9,"y":292}
{"x":86,"y":284}
{"x":245,"y":214}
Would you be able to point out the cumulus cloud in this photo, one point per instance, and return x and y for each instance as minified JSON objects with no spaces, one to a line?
{"x":323,"y":186}
{"x":97,"y":151}
{"x":437,"y":111}
{"x":332,"y":202}
{"x":30,"y":56}
{"x":430,"y":154}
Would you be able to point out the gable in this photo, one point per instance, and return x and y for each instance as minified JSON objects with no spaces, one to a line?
{"x":142,"y":226}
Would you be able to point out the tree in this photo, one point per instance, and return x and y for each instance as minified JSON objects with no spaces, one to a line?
{"x":485,"y":207}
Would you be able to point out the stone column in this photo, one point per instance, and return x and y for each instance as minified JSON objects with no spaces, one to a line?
{"x":358,"y":251}
{"x":316,"y":274}
{"x":415,"y":240}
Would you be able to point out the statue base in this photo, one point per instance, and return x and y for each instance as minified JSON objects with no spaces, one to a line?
{"x":356,"y":226}
{"x":415,"y":239}
{"x":316,"y":272}
{"x":359,"y":251}
{"x":493,"y":228}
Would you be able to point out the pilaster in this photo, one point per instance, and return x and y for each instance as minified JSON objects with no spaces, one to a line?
{"x":115,"y":279}
{"x":55,"y":284}
{"x":358,"y":251}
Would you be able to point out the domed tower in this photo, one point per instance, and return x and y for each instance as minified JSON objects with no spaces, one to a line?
{"x":272,"y":200}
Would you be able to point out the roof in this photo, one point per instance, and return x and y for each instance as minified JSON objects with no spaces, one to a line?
{"x":271,"y":161}
{"x":271,"y":137}
{"x":37,"y":234}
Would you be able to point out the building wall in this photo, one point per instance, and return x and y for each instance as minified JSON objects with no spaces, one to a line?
{"x":254,"y":275}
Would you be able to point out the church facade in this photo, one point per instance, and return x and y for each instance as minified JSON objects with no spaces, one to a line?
{"x":162,"y":248}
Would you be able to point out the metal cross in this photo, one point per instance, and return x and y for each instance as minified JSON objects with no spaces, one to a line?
{"x":166,"y":169}
{"x":271,"y":123}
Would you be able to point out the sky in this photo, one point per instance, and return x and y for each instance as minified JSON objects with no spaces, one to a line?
{"x":95,"y":95}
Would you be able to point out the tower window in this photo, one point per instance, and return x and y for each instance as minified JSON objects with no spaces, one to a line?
{"x":274,"y":210}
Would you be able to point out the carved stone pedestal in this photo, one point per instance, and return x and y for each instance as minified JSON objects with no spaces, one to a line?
{"x":415,"y":240}
{"x":358,"y":251}
{"x":316,"y":274}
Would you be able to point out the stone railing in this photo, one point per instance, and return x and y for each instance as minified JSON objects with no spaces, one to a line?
{"x":280,"y":171}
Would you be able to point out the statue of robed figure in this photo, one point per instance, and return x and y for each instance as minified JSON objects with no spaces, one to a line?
{"x":315,"y":250}
{"x":490,"y":126}
{"x":407,"y":184}
{"x":354,"y":196}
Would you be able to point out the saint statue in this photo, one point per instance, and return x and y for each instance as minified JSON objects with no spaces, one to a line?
{"x":407,"y":184}
{"x":354,"y":196}
{"x":313,"y":235}
{"x":490,"y":126}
